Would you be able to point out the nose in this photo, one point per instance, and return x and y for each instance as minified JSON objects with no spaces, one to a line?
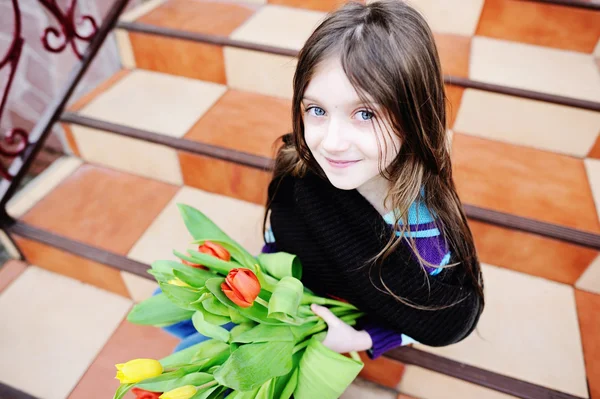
{"x":334,"y":140}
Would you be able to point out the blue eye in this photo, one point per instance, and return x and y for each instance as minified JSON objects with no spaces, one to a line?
{"x":365,"y":115}
{"x":316,"y":111}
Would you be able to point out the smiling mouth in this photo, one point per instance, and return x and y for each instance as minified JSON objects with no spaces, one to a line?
{"x":340,"y":163}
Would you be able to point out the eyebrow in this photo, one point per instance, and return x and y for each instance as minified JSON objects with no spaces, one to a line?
{"x":359,"y":102}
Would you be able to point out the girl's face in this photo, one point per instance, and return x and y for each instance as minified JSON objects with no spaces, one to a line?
{"x":342,"y":132}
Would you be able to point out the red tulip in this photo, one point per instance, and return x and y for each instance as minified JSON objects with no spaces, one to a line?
{"x":143,"y":394}
{"x":241,"y":286}
{"x":210,"y":248}
{"x":197,"y":266}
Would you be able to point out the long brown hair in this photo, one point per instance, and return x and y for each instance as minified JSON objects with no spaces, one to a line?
{"x":389,"y":55}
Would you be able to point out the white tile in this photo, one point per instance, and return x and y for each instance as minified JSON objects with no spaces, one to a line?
{"x":278,"y":26}
{"x":537,"y":68}
{"x":42,"y":185}
{"x":53,"y":327}
{"x":361,"y":389}
{"x":423,"y":383}
{"x":125,"y":49}
{"x":597,"y":50}
{"x":154,"y":101}
{"x":141,"y":10}
{"x":537,"y":124}
{"x":592,"y":166}
{"x":590,"y":279}
{"x":259,"y":72}
{"x":450,"y":16}
{"x":241,"y":220}
{"x":139,"y":288}
{"x":529,"y":330}
{"x":129,"y":155}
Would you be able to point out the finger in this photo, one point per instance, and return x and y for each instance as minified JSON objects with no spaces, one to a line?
{"x":325,"y":314}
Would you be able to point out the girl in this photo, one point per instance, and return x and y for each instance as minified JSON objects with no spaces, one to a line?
{"x":362,"y":190}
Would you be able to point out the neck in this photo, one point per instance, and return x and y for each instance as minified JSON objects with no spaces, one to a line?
{"x":375,"y":191}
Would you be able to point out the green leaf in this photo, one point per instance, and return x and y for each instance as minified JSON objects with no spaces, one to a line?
{"x":158,"y":310}
{"x":237,"y":253}
{"x":240,"y":329}
{"x":265,"y":333}
{"x":213,"y":263}
{"x":123,"y":389}
{"x":323,"y":373}
{"x":253,"y":364}
{"x":266,"y":390}
{"x":286,"y":297}
{"x":212,"y":353}
{"x":281,"y":264}
{"x":214,"y":306}
{"x":181,"y":296}
{"x":255,"y":312}
{"x":236,"y":317}
{"x":192,"y":279}
{"x":288,"y":385}
{"x":208,"y":329}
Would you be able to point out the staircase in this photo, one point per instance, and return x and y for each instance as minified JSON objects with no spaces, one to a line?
{"x":204,"y":92}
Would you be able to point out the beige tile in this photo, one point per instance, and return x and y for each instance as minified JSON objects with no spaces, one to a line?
{"x":423,"y":383}
{"x":361,"y":389}
{"x":129,"y":155}
{"x":154,"y":101}
{"x":279,"y":26}
{"x":525,"y":66}
{"x":125,"y":49}
{"x":42,"y":185}
{"x":258,"y":72}
{"x":590,"y":279}
{"x":592,"y":167}
{"x":256,"y":1}
{"x":8,"y":245}
{"x":139,"y":288}
{"x":537,"y":124}
{"x":141,"y":10}
{"x":241,"y":220}
{"x":529,"y":330}
{"x":56,"y":327}
{"x":450,"y":16}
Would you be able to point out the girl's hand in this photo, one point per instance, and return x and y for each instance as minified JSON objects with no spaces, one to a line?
{"x":341,"y":337}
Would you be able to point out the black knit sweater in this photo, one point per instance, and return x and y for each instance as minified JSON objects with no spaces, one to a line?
{"x":335,"y":233}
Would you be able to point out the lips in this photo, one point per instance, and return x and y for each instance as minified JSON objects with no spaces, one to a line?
{"x":338,"y":163}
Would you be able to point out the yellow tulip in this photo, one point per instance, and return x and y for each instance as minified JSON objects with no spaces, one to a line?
{"x":184,"y":392}
{"x":138,"y":370}
{"x":177,"y":282}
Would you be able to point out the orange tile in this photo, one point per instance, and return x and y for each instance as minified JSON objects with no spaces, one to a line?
{"x":210,"y":17}
{"x":102,"y":207}
{"x":588,"y":310}
{"x":71,"y":139}
{"x":225,"y":178}
{"x":524,"y":181}
{"x":128,"y":342}
{"x":531,"y":253}
{"x":82,"y":269}
{"x":595,"y":151}
{"x":179,"y":57}
{"x":10,"y":271}
{"x":101,"y":88}
{"x":382,"y":370}
{"x":568,"y":28}
{"x":245,"y":122}
{"x":454,"y":95}
{"x":454,"y":51}
{"x":317,"y":5}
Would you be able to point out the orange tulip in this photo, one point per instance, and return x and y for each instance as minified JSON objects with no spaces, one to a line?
{"x":143,"y":394}
{"x":241,"y":286}
{"x":210,"y":248}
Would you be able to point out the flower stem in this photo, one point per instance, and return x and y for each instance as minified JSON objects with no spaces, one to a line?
{"x":355,"y":356}
{"x":308,"y":299}
{"x":207,"y":385}
{"x":301,"y":346}
{"x":262,"y":302}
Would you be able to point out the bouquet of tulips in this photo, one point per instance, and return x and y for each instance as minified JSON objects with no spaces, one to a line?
{"x":275,"y":349}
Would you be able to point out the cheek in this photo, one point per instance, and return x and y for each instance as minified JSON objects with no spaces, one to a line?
{"x":312,"y":137}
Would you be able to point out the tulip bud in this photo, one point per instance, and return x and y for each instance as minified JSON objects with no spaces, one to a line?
{"x":210,"y":248}
{"x":138,"y":370}
{"x":241,"y":286}
{"x":143,"y":394}
{"x":184,"y":392}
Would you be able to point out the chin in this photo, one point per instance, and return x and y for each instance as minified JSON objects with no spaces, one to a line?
{"x":342,"y":183}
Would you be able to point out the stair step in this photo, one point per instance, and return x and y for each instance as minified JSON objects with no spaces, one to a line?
{"x":471,"y":41}
{"x":136,"y":218}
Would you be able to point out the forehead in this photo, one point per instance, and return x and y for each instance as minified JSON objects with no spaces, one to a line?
{"x":330,"y":85}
